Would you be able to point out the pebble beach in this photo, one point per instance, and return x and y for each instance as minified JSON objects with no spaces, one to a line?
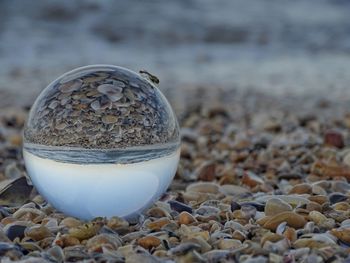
{"x":257,"y":182}
{"x":261,"y":93}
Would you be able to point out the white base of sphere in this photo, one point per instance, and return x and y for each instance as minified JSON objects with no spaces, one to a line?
{"x":87,"y":191}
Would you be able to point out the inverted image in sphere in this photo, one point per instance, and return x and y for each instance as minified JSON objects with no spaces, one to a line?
{"x":101,"y":107}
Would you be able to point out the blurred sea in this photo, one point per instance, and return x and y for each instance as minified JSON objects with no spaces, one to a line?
{"x":273,"y":46}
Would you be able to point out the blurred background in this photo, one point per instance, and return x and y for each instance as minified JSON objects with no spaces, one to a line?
{"x":273,"y":46}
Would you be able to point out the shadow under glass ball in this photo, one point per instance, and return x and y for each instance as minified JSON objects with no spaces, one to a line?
{"x":101,"y":141}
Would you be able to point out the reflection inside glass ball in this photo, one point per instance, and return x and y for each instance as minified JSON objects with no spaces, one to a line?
{"x":101,"y":141}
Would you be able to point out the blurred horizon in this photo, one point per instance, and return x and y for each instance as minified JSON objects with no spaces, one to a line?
{"x":275,"y":47}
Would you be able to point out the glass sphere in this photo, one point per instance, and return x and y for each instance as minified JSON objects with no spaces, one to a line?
{"x":101,"y":141}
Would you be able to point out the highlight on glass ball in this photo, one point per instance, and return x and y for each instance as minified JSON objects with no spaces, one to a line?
{"x":101,"y":141}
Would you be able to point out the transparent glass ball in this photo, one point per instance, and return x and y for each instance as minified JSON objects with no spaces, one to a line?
{"x":101,"y":141}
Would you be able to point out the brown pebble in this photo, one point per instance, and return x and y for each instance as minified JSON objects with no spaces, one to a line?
{"x":229,"y":243}
{"x":158,"y":224}
{"x":263,"y":220}
{"x":84,"y":231}
{"x":116,"y":222}
{"x":239,"y":235}
{"x":313,"y":206}
{"x":341,"y":206}
{"x":292,"y":219}
{"x":272,"y":237}
{"x":97,"y":243}
{"x":66,"y":241}
{"x":251,"y":179}
{"x":46,"y":242}
{"x":157,"y":212}
{"x":28,"y":214}
{"x":201,"y":235}
{"x":186,"y":218}
{"x":334,"y":138}
{"x":301,"y":211}
{"x":149,"y":242}
{"x":15,"y":139}
{"x":8,"y":220}
{"x":317,"y":217}
{"x":321,"y":220}
{"x":37,"y":232}
{"x":109,"y":119}
{"x":301,"y":189}
{"x":206,"y":172}
{"x":322,"y":168}
{"x":290,"y":234}
{"x":320,"y":199}
{"x":275,"y":206}
{"x":310,"y":243}
{"x":70,"y":222}
{"x":342,"y":233}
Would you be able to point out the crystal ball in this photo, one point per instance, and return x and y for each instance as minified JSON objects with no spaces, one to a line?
{"x":101,"y":141}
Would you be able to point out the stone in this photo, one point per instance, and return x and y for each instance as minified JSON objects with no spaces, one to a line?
{"x":13,"y":231}
{"x":293,"y":220}
{"x":250,"y":179}
{"x":301,"y":189}
{"x":37,"y":232}
{"x":275,"y":206}
{"x":149,"y":242}
{"x":337,"y":197}
{"x":103,"y":241}
{"x":229,"y":244}
{"x":334,"y":138}
{"x":186,"y":218}
{"x":321,"y":220}
{"x":342,"y":233}
{"x":179,"y":206}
